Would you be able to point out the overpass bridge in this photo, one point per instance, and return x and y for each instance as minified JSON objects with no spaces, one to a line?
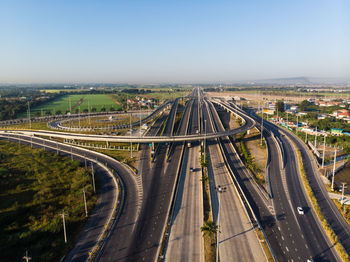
{"x":248,"y":123}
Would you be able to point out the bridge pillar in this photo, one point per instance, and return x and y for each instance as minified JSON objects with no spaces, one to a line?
{"x":107,"y":144}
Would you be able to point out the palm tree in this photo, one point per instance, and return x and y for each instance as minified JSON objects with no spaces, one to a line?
{"x":210,"y":229}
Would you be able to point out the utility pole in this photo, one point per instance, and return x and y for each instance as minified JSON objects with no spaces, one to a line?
{"x":29,"y":119}
{"x":79,"y":117}
{"x":297,"y":124}
{"x":71,"y":153}
{"x":93,"y":177}
{"x":262,"y":125}
{"x":315,"y":136}
{"x":130,"y":135}
{"x":86,"y":211}
{"x":89,"y":112}
{"x":342,"y":193}
{"x":26,"y":257}
{"x":335,"y":156}
{"x":324,"y":150}
{"x":205,"y":142}
{"x":64,"y":227}
{"x":140,"y":120}
{"x":70,"y":105}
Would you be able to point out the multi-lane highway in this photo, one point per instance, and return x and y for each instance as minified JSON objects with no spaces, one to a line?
{"x":329,"y":210}
{"x":185,"y":241}
{"x":299,"y":236}
{"x":237,"y":237}
{"x":165,"y":194}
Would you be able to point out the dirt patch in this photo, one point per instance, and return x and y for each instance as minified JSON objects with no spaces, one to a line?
{"x":257,"y":152}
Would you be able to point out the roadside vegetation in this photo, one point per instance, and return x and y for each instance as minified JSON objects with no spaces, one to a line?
{"x":209,"y":227}
{"x":36,"y":187}
{"x":248,"y":159}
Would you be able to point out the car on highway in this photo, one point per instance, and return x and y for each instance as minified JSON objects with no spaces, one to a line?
{"x":300,"y":210}
{"x":191,"y":169}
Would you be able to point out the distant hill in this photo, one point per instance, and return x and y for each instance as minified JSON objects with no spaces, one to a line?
{"x":302,"y":81}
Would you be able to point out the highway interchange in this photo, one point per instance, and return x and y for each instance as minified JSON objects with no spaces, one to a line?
{"x":160,"y":208}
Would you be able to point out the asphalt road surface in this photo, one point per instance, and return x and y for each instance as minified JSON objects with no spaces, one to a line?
{"x":300,"y":236}
{"x":237,"y":237}
{"x":185,"y":240}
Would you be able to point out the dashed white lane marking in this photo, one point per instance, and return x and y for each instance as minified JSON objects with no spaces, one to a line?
{"x":287,"y":249}
{"x":282,"y":238}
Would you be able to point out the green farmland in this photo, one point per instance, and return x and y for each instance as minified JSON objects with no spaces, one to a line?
{"x":63,"y":104}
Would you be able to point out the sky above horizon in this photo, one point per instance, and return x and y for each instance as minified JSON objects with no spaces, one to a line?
{"x":193,"y":41}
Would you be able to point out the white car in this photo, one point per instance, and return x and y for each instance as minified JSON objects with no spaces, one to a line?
{"x":300,"y":210}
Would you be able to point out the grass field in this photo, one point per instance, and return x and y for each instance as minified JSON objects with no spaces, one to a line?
{"x":61,"y":90}
{"x":35,"y":188}
{"x":62,"y":104}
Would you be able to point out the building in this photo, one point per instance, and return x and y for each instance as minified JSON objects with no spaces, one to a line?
{"x":337,"y":131}
{"x":268,"y":111}
{"x":342,"y":113}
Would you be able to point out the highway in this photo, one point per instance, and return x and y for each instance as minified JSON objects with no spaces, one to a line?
{"x":157,"y":183}
{"x":185,"y":241}
{"x":127,"y":139}
{"x":301,"y":235}
{"x":329,"y":210}
{"x":237,"y":237}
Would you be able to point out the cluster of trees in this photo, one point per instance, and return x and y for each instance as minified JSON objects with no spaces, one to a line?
{"x":15,"y":102}
{"x":36,"y":187}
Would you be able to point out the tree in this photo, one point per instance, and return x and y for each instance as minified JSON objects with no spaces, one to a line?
{"x":304,"y":105}
{"x":112,"y":109}
{"x":93,"y":109}
{"x":86,"y":110}
{"x":58,"y":112}
{"x":279,"y":106}
{"x":103,"y":109}
{"x":210,"y":229}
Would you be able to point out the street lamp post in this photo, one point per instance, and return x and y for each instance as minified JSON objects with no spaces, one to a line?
{"x":342,"y":193}
{"x":218,"y":232}
{"x":324,"y":150}
{"x":86,"y":211}
{"x":335,"y":156}
{"x":26,"y":257}
{"x":205,"y":142}
{"x":64,"y":227}
{"x":262,"y":125}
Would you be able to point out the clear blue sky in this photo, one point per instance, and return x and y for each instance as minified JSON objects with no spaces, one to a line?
{"x":150,"y":41}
